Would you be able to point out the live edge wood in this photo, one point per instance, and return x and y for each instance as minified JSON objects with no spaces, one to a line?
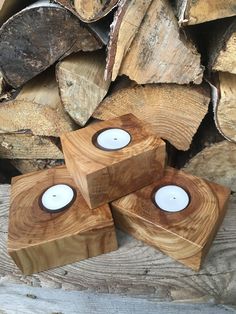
{"x":38,"y":240}
{"x":187,"y":235}
{"x":103,"y":176}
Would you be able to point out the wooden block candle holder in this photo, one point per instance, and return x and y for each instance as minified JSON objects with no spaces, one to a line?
{"x":51,"y":225}
{"x":178,"y":214}
{"x":112,"y":158}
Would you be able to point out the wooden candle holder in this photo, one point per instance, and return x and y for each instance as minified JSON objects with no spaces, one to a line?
{"x":103,"y":176}
{"x":186,"y":235}
{"x":39,"y":240}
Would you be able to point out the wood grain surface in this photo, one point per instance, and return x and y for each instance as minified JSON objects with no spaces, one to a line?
{"x":28,"y":146}
{"x":153,"y":103}
{"x":161,"y":55}
{"x":126,"y":23}
{"x":200,"y":11}
{"x":187,"y":235}
{"x":81,"y":83}
{"x":37,"y":108}
{"x":103,"y":176}
{"x":42,"y":42}
{"x":39,"y":240}
{"x":27,"y":300}
{"x":225,"y":109}
{"x":138,"y":270}
{"x":89,"y":10}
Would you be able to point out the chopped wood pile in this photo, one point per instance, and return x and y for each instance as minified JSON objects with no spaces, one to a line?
{"x":64,"y":64}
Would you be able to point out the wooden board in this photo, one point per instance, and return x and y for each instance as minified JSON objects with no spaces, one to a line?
{"x":186,"y":235}
{"x":39,"y":240}
{"x":81,"y":83}
{"x":160,"y":54}
{"x":102,"y":175}
{"x":36,"y":300}
{"x":28,"y":146}
{"x":153,"y":104}
{"x":199,"y":11}
{"x":41,"y":42}
{"x":37,"y":108}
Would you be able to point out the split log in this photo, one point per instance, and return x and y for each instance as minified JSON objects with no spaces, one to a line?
{"x":81,"y":84}
{"x":37,"y":108}
{"x":89,"y":10}
{"x":198,"y":11}
{"x":221,"y":41}
{"x":174,"y":112}
{"x":158,"y":53}
{"x":31,"y":165}
{"x":126,"y":23}
{"x":28,"y":146}
{"x":41,"y":42}
{"x":216,"y":163}
{"x":225,"y":106}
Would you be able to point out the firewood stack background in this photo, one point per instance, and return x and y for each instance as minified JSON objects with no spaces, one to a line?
{"x":65,"y":64}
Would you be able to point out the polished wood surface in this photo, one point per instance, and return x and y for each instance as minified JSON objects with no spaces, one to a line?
{"x":104,"y":176}
{"x":186,"y":236}
{"x":39,"y":240}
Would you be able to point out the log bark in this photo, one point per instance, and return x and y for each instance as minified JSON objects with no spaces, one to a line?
{"x":37,"y":108}
{"x":81,"y":84}
{"x":89,"y":10}
{"x":42,"y":40}
{"x":199,"y":11}
{"x":159,"y":53}
{"x":225,"y":106}
{"x":28,"y":146}
{"x":126,"y":23}
{"x":31,"y":165}
{"x":221,"y":39}
{"x":153,"y":104}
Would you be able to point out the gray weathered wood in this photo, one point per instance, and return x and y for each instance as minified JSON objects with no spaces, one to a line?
{"x":27,"y":300}
{"x":138,"y":270}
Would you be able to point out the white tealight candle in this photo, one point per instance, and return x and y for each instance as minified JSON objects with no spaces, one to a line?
{"x":113,"y":139}
{"x":171,"y":198}
{"x":57,"y":197}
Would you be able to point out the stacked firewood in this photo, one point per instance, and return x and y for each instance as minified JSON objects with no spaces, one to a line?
{"x":66,"y":63}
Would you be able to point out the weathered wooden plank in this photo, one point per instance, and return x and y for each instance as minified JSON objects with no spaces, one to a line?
{"x":28,"y":300}
{"x":138,"y":270}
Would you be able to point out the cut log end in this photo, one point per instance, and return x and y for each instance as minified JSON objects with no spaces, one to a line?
{"x":153,"y":104}
{"x":23,"y":57}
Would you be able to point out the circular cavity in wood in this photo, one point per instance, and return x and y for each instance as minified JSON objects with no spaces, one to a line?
{"x":171,"y":198}
{"x":57,"y":198}
{"x":112,"y":139}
